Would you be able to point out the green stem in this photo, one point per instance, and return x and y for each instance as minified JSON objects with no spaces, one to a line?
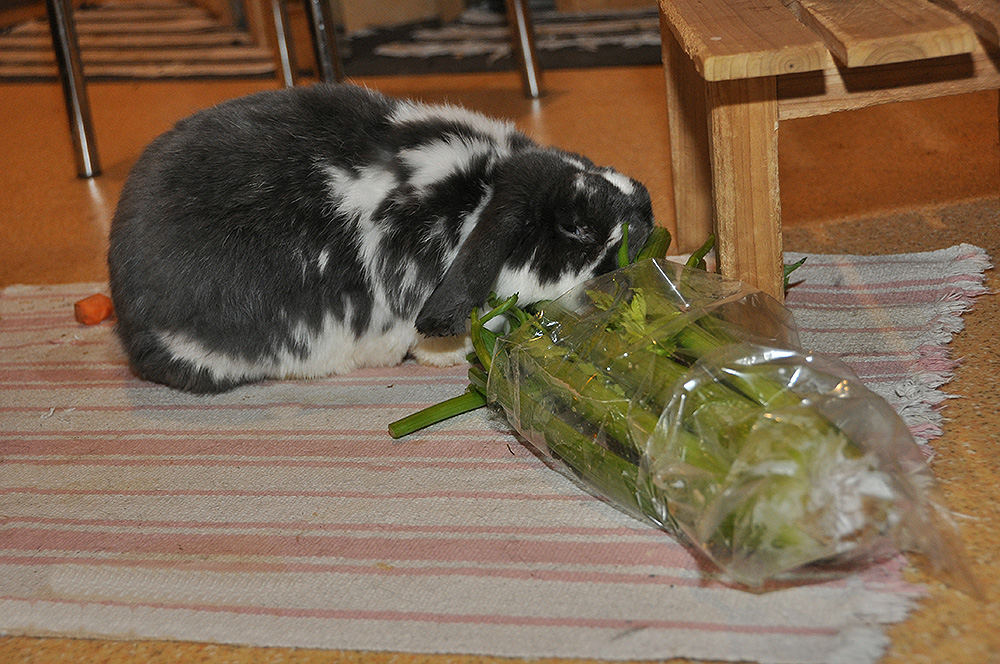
{"x":476,"y":333}
{"x":623,"y":247}
{"x":626,"y":399}
{"x":657,"y":377}
{"x":581,"y":387}
{"x":484,"y":339}
{"x":439,"y":412}
{"x":499,"y":308}
{"x":656,"y":246}
{"x":704,"y":335}
{"x":610,"y":475}
{"x":697,"y":259}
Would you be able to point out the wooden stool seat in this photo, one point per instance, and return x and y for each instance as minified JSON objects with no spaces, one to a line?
{"x":736,"y":68}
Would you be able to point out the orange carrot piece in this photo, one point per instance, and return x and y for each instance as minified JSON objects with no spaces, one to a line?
{"x":92,"y":310}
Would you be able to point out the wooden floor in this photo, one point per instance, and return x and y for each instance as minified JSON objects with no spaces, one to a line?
{"x":906,"y":177}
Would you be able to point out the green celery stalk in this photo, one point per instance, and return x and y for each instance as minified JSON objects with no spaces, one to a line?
{"x":732,"y":463}
{"x":656,"y":246}
{"x":559,"y":384}
{"x":747,"y":449}
{"x":463,"y":403}
{"x":607,"y":473}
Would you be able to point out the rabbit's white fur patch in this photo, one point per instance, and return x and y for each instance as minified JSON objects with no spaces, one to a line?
{"x":623,"y":182}
{"x":334,"y":349}
{"x":433,"y":162}
{"x":524,"y":281}
{"x":410,"y":112}
{"x":359,"y":195}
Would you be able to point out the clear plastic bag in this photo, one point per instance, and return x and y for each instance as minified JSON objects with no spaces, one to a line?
{"x":683,"y":398}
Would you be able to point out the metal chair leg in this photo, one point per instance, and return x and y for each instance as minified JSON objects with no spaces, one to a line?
{"x":67,"y":51}
{"x":519,"y":17}
{"x":324,"y":40}
{"x":286,"y":57}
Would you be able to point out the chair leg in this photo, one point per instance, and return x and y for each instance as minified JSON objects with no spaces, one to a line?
{"x":324,"y":40}
{"x":689,"y":157}
{"x":519,"y":18}
{"x":743,"y":143}
{"x":67,"y":51}
{"x":283,"y":41}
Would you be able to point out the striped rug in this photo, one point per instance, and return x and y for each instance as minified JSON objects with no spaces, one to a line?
{"x":138,"y":40}
{"x":283,"y":514}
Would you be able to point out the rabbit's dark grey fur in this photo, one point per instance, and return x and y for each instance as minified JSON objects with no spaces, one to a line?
{"x":311,"y":231}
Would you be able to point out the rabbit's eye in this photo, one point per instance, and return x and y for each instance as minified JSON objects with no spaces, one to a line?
{"x":578,"y":233}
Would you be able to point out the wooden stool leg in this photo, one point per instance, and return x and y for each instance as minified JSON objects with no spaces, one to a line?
{"x":689,"y":156}
{"x":743,"y":138}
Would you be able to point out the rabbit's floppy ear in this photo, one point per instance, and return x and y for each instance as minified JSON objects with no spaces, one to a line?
{"x":468,"y":280}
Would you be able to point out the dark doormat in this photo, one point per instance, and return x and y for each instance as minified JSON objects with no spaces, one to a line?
{"x":480,"y":40}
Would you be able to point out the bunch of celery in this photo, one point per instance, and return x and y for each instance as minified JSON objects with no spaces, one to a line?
{"x":681,"y":397}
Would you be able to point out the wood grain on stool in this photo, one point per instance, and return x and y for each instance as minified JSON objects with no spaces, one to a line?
{"x":762,"y":61}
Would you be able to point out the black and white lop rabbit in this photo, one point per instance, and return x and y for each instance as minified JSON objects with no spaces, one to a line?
{"x":312,"y":231}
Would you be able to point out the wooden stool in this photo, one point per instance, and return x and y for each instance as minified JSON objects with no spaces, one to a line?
{"x":736,"y":68}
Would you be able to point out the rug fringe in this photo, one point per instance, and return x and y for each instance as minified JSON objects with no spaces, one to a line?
{"x":935,"y":366}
